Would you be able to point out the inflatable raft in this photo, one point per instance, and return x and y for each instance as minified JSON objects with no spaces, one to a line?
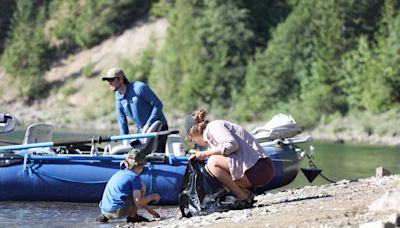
{"x":43,"y":172}
{"x":82,"y":178}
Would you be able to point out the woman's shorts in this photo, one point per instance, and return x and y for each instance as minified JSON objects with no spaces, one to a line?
{"x":261,"y":173}
{"x":121,"y":212}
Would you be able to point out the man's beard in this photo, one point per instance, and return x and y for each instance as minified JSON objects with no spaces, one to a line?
{"x":115,"y":88}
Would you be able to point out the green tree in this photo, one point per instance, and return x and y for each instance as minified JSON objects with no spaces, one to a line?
{"x":140,"y":69}
{"x":205,"y":53}
{"x":181,"y":45}
{"x":322,"y":91}
{"x":63,"y":16}
{"x":87,"y":23}
{"x":302,"y":63}
{"x":26,"y":54}
{"x":6,"y":10}
{"x":274,"y":76}
{"x":354,"y":73}
{"x":263,"y":17}
{"x":370,"y":73}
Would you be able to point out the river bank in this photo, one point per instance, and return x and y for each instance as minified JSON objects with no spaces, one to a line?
{"x":354,"y":128}
{"x":341,"y":204}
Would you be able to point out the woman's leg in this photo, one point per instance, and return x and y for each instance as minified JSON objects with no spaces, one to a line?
{"x":218,"y":166}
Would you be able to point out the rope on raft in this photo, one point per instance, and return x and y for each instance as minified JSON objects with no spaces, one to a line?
{"x":32,"y":171}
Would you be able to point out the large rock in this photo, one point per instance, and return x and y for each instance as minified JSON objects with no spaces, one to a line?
{"x":389,"y":201}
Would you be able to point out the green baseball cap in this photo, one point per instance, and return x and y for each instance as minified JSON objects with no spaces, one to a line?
{"x":135,"y":158}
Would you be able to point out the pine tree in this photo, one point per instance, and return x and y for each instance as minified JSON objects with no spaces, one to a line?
{"x":275,"y":74}
{"x":6,"y":10}
{"x":370,"y":73}
{"x":203,"y":62}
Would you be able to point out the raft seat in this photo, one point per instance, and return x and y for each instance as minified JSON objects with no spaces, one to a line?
{"x":38,"y":133}
{"x":281,"y":126}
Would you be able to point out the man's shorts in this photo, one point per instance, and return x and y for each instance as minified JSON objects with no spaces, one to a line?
{"x":121,"y":212}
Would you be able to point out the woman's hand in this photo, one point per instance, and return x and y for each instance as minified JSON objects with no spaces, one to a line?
{"x":199,"y":155}
{"x":193,"y":151}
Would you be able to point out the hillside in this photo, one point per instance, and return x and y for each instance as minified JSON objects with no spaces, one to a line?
{"x":81,"y":102}
{"x":82,"y":105}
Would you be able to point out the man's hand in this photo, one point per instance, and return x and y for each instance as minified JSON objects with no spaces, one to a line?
{"x":145,"y":128}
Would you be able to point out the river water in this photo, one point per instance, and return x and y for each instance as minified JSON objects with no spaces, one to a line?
{"x":337,"y":161}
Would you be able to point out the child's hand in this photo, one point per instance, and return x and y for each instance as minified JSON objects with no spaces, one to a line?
{"x":154,"y":213}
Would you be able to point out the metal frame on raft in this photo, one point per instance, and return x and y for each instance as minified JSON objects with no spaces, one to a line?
{"x":312,"y":171}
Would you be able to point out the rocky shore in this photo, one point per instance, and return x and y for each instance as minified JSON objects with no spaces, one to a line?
{"x":371,"y":202}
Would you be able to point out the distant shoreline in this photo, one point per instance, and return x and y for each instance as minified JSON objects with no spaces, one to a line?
{"x":350,"y":130}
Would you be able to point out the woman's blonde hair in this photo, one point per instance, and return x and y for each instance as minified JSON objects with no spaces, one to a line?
{"x":201,"y":122}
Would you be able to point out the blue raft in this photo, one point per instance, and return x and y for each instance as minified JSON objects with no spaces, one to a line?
{"x":82,"y":178}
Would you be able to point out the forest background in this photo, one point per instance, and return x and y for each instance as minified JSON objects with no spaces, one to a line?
{"x":331,"y":64}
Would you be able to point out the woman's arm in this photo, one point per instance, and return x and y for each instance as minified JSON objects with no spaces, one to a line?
{"x":201,"y":155}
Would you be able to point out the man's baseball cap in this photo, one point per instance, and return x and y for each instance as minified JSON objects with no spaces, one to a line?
{"x":113,"y":73}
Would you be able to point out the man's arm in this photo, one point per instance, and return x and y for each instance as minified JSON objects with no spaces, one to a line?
{"x":121,"y":118}
{"x":151,"y":98}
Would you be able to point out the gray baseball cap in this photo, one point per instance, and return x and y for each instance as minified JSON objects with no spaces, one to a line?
{"x":113,"y":73}
{"x":189,"y":123}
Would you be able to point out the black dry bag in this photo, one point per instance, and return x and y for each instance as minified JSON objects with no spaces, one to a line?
{"x":200,"y":192}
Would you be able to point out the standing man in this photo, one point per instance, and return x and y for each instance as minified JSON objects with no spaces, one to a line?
{"x":138,"y":102}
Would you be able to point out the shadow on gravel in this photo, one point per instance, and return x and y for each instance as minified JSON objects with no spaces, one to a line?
{"x":296,"y":200}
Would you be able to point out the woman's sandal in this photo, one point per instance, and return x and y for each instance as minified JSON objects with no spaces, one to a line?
{"x":243,"y":204}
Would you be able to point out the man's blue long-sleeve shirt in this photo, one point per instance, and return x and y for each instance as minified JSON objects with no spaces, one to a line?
{"x":140,"y":104}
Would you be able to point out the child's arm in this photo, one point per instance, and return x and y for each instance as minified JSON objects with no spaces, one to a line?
{"x":142,"y":201}
{"x":152,"y":198}
{"x":152,"y":212}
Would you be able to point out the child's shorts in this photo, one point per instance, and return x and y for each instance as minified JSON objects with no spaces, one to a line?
{"x":121,"y":212}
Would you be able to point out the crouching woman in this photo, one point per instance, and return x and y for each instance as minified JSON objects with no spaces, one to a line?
{"x":125,"y":193}
{"x":234,"y":156}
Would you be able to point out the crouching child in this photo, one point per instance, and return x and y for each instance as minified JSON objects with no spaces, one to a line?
{"x":125,"y":193}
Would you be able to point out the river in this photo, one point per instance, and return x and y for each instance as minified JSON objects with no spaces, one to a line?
{"x":337,"y":161}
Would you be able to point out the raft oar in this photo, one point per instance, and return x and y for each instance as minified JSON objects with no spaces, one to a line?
{"x":98,"y":139}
